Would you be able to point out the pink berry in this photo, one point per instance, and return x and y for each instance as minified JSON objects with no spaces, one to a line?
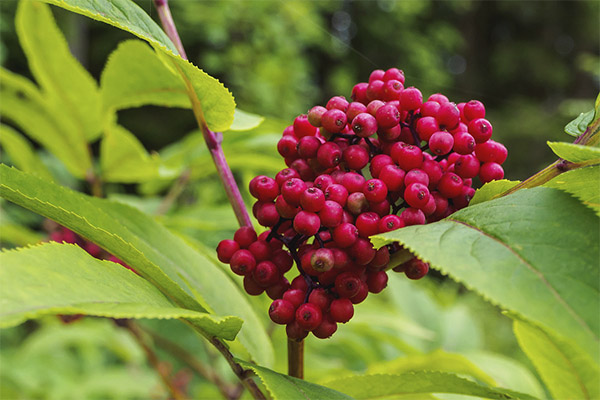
{"x":282,"y":312}
{"x":341,"y":310}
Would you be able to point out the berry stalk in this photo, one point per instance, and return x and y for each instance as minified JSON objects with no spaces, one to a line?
{"x":213,"y":139}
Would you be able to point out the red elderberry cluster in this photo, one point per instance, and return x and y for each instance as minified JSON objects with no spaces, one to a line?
{"x":356,"y":169}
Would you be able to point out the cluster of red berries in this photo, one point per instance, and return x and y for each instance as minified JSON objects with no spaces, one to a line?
{"x":356,"y":169}
{"x":61,"y":234}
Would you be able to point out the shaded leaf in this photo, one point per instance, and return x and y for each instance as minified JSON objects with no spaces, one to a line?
{"x":135,"y":76}
{"x":568,"y":372}
{"x":387,"y":385}
{"x":21,"y":153}
{"x":23,"y":104}
{"x":215,"y":100}
{"x":511,"y":252}
{"x":244,"y":121}
{"x":18,"y":235}
{"x":164,"y":259}
{"x":579,"y":124}
{"x":124,"y":159}
{"x":57,"y":278}
{"x":575,"y":152}
{"x":285,"y":387}
{"x":68,"y":86}
{"x":583,"y":183}
{"x":491,"y":189}
{"x":437,"y":360}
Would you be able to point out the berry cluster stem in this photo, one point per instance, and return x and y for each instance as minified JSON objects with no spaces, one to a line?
{"x":296,"y":358}
{"x":213,"y":139}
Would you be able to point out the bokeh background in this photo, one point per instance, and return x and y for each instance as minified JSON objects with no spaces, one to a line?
{"x":534,"y":64}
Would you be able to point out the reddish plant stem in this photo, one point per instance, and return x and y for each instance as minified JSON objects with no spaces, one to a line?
{"x":166,"y":19}
{"x":296,"y":358}
{"x":213,"y":139}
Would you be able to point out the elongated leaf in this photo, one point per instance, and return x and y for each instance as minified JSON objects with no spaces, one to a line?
{"x":534,"y":252}
{"x":583,"y":183}
{"x":65,"y":82}
{"x":135,"y":76}
{"x":284,"y":387}
{"x":163,"y":258}
{"x":57,"y":278}
{"x":568,"y":373}
{"x":124,"y":159}
{"x":22,"y":153}
{"x":491,"y":189}
{"x":215,"y":100}
{"x":244,"y":121}
{"x":124,"y":14}
{"x":575,"y":152}
{"x":388,"y":385}
{"x":18,"y":235}
{"x":436,"y":361}
{"x":23,"y":104}
{"x":579,"y":124}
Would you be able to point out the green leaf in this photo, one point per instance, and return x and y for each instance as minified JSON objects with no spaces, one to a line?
{"x":583,"y":183}
{"x":534,"y":252}
{"x":57,"y":278}
{"x":215,"y":100}
{"x":164,"y":259}
{"x":568,"y":372}
{"x":124,"y":14}
{"x":579,"y":125}
{"x":387,"y":385}
{"x":491,"y":189}
{"x":285,"y":387}
{"x":576,"y":153}
{"x":135,"y":76}
{"x":67,"y":85}
{"x":244,"y":121}
{"x":437,"y":360}
{"x":23,"y":104}
{"x":18,"y":235}
{"x":124,"y":159}
{"x":22,"y":154}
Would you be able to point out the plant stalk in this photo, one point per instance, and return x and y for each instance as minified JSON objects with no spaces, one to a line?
{"x":296,"y":358}
{"x":213,"y":139}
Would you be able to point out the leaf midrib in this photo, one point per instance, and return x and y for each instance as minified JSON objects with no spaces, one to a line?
{"x":541,"y":277}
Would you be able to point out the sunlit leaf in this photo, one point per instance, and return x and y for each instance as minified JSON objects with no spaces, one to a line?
{"x":21,"y":153}
{"x":583,"y":183}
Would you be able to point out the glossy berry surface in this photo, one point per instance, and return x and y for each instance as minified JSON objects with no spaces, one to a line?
{"x":379,"y":160}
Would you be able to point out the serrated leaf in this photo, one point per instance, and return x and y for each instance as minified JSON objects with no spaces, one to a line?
{"x":65,"y":83}
{"x":567,"y":372}
{"x":123,"y":14}
{"x":55,"y":278}
{"x":534,"y":252}
{"x":575,"y":152}
{"x":164,"y":259}
{"x":124,"y":159}
{"x":284,"y":387}
{"x":583,"y":183}
{"x":134,"y":76}
{"x":24,"y":105}
{"x":387,"y":385}
{"x":578,"y":125}
{"x":491,"y":189}
{"x":21,"y":153}
{"x":244,"y":121}
{"x":215,"y":100}
{"x":437,"y":360}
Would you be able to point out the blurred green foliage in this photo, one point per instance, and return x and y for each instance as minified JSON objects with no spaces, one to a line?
{"x":536,"y":65}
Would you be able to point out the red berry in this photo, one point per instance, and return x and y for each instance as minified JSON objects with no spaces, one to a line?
{"x":416,"y":195}
{"x":387,"y":116}
{"x":242,"y":262}
{"x":441,"y":143}
{"x":416,"y":269}
{"x":303,"y":128}
{"x":295,"y":331}
{"x":334,"y":120}
{"x":463,"y":143}
{"x":226,"y":249}
{"x":337,"y":193}
{"x":356,"y":157}
{"x":266,"y":274}
{"x":448,"y":115}
{"x":393,"y":177}
{"x":411,"y":99}
{"x":282,"y":312}
{"x":375,"y":190}
{"x":390,"y":223}
{"x":345,"y":234}
{"x":306,"y":223}
{"x":490,"y":171}
{"x":412,"y":216}
{"x":320,"y":298}
{"x":292,"y":189}
{"x":312,"y":199}
{"x":315,"y":114}
{"x":359,"y":93}
{"x":341,"y":310}
{"x":474,"y":109}
{"x":354,"y":109}
{"x":326,"y":329}
{"x":331,"y":214}
{"x":245,"y":236}
{"x":261,"y":250}
{"x":308,"y":147}
{"x":251,"y":287}
{"x":450,"y":185}
{"x":367,"y":224}
{"x":480,"y":129}
{"x":309,"y":316}
{"x":329,"y":154}
{"x":491,"y":151}
{"x":407,"y":156}
{"x":322,"y":260}
{"x":295,"y":296}
{"x":427,"y":126}
{"x":338,"y":102}
{"x":467,"y":166}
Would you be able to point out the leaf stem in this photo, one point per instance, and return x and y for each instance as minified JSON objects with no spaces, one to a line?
{"x":295,"y":358}
{"x":166,"y":19}
{"x":213,"y":139}
{"x":138,"y":335}
{"x":174,"y":192}
{"x":230,"y":392}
